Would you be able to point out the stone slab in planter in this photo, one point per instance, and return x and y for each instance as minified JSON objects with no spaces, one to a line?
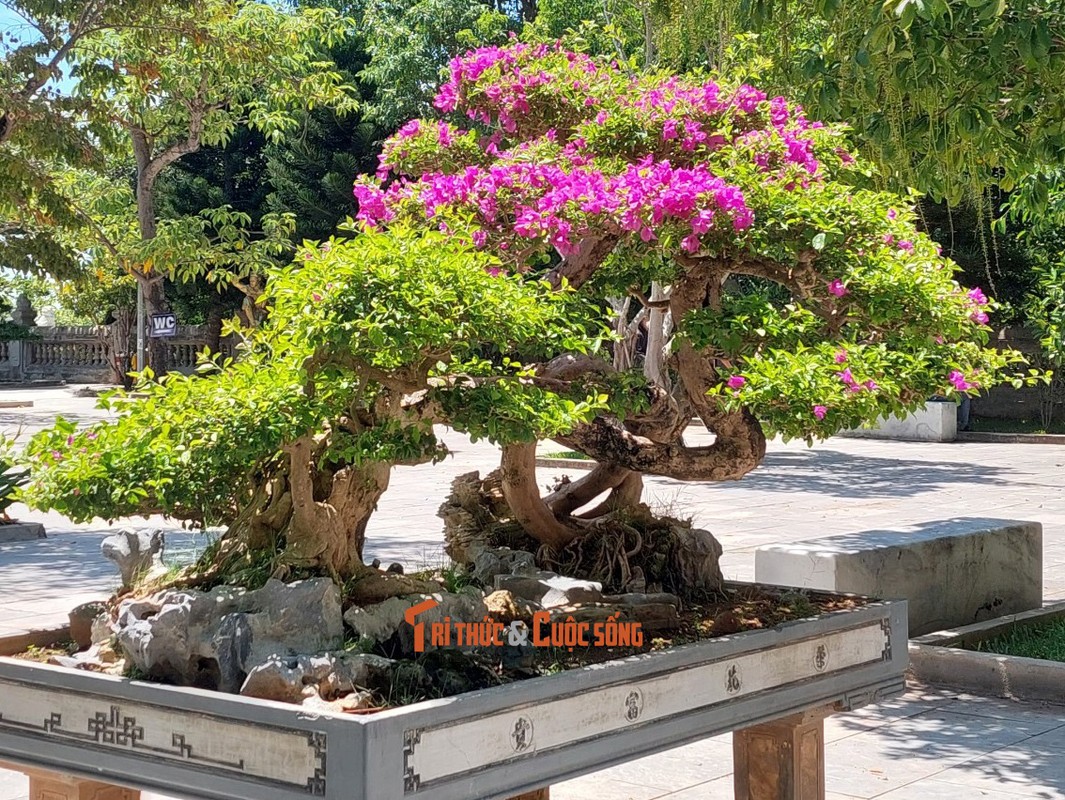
{"x":952,"y":572}
{"x":21,"y":532}
{"x":938,"y":659}
{"x":936,"y":422}
{"x":489,"y":744}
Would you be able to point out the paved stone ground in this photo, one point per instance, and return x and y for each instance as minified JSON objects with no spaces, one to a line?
{"x":929,"y":744}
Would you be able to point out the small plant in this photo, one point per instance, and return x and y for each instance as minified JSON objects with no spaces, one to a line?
{"x":11,"y":478}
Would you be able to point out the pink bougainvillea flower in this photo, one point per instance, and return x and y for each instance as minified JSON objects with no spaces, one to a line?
{"x":57,"y":455}
{"x":892,"y":213}
{"x":906,"y":245}
{"x":820,"y":411}
{"x":977,"y":296}
{"x":940,"y":340}
{"x":736,"y":381}
{"x":479,"y":238}
{"x":871,"y":385}
{"x":841,"y":356}
{"x":888,"y":238}
{"x":837,"y":288}
{"x":91,"y":435}
{"x":70,"y":440}
{"x":958,"y":379}
{"x":316,"y":297}
{"x":846,"y":377}
{"x":980,"y":317}
{"x":495,"y":272}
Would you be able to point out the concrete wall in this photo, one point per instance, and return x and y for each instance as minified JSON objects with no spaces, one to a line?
{"x":953,"y":573}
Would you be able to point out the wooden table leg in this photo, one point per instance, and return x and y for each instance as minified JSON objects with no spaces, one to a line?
{"x":783,"y":759}
{"x":57,"y":786}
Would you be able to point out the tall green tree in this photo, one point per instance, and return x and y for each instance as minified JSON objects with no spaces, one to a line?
{"x":948,"y":96}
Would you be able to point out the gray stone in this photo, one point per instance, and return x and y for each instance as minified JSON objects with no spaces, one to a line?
{"x":21,"y":532}
{"x":330,"y":675}
{"x":383,"y":621}
{"x":550,"y":590}
{"x":395,"y":567}
{"x":214,"y":639}
{"x":492,"y":561}
{"x":101,"y":630}
{"x":696,"y":558}
{"x":135,"y":553}
{"x":953,"y":572}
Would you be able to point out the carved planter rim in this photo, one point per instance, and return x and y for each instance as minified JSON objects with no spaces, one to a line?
{"x":493,"y":743}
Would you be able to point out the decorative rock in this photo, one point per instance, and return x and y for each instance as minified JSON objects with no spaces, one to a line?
{"x":98,"y":658}
{"x":356,"y":701}
{"x":504,"y":607}
{"x":214,"y":639}
{"x":395,"y":568}
{"x":135,"y":552}
{"x":695,"y":559}
{"x":492,"y":561}
{"x":331,"y":675}
{"x":551,"y":590}
{"x":101,"y":628}
{"x":383,"y":621}
{"x":81,"y":622}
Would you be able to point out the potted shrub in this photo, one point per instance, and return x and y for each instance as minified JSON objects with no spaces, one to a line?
{"x":476,"y":294}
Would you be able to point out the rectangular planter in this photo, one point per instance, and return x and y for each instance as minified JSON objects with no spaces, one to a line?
{"x":936,"y":422}
{"x":939,"y":659}
{"x":488,"y":744}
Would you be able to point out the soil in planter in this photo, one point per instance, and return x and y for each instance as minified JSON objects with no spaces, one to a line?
{"x":42,"y":654}
{"x":1045,"y":641}
{"x":444,"y":673}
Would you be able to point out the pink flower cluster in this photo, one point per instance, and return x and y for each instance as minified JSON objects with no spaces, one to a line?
{"x":537,"y":200}
{"x":853,"y":385}
{"x":977,"y":299}
{"x":958,"y":380}
{"x":505,"y":99}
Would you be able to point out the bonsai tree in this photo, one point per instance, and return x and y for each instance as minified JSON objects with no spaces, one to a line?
{"x":477,"y":293}
{"x":802,"y":302}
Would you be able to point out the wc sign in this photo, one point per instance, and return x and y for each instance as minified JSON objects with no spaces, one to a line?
{"x":163,"y":325}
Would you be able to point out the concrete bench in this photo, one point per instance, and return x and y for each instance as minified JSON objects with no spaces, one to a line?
{"x":952,"y":572}
{"x":936,"y":422}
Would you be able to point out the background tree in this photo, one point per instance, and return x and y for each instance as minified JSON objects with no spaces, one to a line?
{"x":201,"y":70}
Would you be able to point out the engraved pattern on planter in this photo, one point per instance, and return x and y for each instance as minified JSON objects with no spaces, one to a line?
{"x":521,"y":738}
{"x":733,"y":684}
{"x":411,"y":779}
{"x":277,"y":755}
{"x":634,"y":705}
{"x":821,"y":658}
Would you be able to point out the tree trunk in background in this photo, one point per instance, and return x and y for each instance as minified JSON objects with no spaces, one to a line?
{"x":121,"y":345}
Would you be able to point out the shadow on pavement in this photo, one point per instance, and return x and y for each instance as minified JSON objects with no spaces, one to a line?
{"x":841,"y":474}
